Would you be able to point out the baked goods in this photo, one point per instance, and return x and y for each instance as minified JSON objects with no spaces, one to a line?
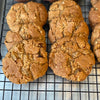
{"x":26,"y":31}
{"x":93,"y":2}
{"x":67,"y":26}
{"x":25,"y":62}
{"x":71,"y":58}
{"x":70,"y":55}
{"x":21,"y":0}
{"x":64,"y":8}
{"x":95,"y":34}
{"x":95,"y":41}
{"x":94,"y":19}
{"x":30,"y":12}
{"x":26,"y":59}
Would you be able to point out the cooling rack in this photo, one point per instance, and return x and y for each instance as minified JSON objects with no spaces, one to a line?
{"x":50,"y":86}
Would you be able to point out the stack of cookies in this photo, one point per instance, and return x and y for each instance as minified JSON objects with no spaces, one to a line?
{"x":94,"y":18}
{"x":26,"y":59}
{"x":70,"y":55}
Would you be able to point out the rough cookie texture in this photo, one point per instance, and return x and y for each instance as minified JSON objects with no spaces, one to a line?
{"x":26,"y":31}
{"x":25,"y":62}
{"x":94,"y":19}
{"x":93,"y":2}
{"x":30,"y":12}
{"x":71,"y":58}
{"x":64,"y":8}
{"x":95,"y":34}
{"x":96,"y":49}
{"x":94,"y":15}
{"x":95,"y":41}
{"x":70,"y":55}
{"x":67,"y":26}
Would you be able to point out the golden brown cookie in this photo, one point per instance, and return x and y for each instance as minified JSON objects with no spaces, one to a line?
{"x":94,"y":15}
{"x":96,"y":48}
{"x":71,"y":58}
{"x":30,"y":12}
{"x":26,"y":31}
{"x":64,"y":8}
{"x":67,"y":26}
{"x":93,"y":2}
{"x":95,"y":41}
{"x":11,"y":39}
{"x":25,"y":62}
{"x":95,"y":34}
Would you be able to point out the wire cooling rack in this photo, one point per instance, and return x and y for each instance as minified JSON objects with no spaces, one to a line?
{"x":50,"y":86}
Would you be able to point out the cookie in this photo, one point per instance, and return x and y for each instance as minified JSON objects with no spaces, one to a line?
{"x":96,"y":49}
{"x":25,"y":62}
{"x":67,"y":26}
{"x":11,"y":39}
{"x":71,"y":58}
{"x":26,"y":31}
{"x":30,"y":12}
{"x":94,"y":15}
{"x":93,"y":2}
{"x":64,"y":8}
{"x":95,"y":34}
{"x":95,"y":41}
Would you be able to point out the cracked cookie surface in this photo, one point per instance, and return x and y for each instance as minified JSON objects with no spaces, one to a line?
{"x":26,"y":31}
{"x":71,"y":58}
{"x":93,"y":2}
{"x":67,"y":26}
{"x":25,"y":62}
{"x":95,"y":41}
{"x":64,"y":8}
{"x":95,"y":34}
{"x":94,"y":15}
{"x":30,"y":12}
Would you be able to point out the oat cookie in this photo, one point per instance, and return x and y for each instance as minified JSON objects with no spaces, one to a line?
{"x":93,"y":2}
{"x":67,"y":26}
{"x":94,"y":15}
{"x":96,"y":49}
{"x":94,"y":18}
{"x":11,"y":39}
{"x":95,"y":41}
{"x":71,"y":58}
{"x":30,"y":12}
{"x":26,"y":31}
{"x":64,"y":8}
{"x":95,"y":34}
{"x":25,"y":62}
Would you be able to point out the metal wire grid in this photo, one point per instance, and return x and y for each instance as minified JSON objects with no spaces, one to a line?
{"x":50,"y":86}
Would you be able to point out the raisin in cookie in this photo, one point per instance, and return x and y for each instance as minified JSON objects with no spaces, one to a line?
{"x":64,"y":8}
{"x":67,"y":26}
{"x":71,"y":58}
{"x":25,"y":62}
{"x":30,"y":12}
{"x":26,"y":31}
